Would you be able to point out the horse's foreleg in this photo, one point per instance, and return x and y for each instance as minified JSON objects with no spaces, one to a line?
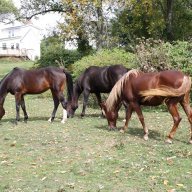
{"x":129,"y":112}
{"x":172,"y":107}
{"x":98,"y":95}
{"x":24,"y":109}
{"x":137,"y":109}
{"x":85,"y":100}
{"x":56,"y":104}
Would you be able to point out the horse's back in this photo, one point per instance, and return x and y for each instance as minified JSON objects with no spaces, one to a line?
{"x":153,"y":80}
{"x":101,"y":79}
{"x":171,"y":78}
{"x":35,"y":80}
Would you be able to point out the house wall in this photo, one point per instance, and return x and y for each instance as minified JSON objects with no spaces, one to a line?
{"x":31,"y":43}
{"x":20,"y":41}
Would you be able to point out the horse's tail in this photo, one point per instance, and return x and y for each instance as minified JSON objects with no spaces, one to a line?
{"x":166,"y":91}
{"x":69,"y":85}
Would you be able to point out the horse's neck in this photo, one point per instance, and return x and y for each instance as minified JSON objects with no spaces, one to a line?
{"x":77,"y":91}
{"x":2,"y":99}
{"x":3,"y":92}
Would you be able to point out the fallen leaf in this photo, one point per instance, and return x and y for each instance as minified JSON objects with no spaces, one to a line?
{"x":165,"y":182}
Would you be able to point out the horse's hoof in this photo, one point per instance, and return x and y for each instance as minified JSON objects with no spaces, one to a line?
{"x":190,"y":141}
{"x":168,"y":141}
{"x":82,"y":115}
{"x":112,"y":128}
{"x":145,"y":137}
{"x":50,"y":121}
{"x":63,"y":121}
{"x":122,"y":131}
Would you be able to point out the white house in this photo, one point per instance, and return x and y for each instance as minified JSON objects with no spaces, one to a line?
{"x":20,"y":40}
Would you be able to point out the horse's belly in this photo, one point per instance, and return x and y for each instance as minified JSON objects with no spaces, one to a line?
{"x":152,"y":101}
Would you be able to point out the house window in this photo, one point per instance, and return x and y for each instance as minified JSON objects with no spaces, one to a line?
{"x":4,"y":46}
{"x":17,"y":45}
{"x":11,"y":33}
{"x":12,"y":45}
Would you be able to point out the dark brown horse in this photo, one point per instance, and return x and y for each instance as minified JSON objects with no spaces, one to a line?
{"x":96,"y":80}
{"x":20,"y":82}
{"x":150,"y":89}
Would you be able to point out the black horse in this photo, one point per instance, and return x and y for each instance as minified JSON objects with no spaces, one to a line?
{"x":20,"y":82}
{"x":96,"y":80}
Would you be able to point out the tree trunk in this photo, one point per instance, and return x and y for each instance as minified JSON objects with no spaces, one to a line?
{"x":169,"y":20}
{"x":100,"y":26}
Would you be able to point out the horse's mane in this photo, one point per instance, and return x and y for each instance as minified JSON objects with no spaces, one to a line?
{"x":117,"y":89}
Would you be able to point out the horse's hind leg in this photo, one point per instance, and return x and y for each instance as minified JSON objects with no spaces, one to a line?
{"x":172,"y":107}
{"x":85,"y":100}
{"x":56,"y":104}
{"x":18,"y":103}
{"x":186,"y":107}
{"x":24,"y":109}
{"x":61,"y":99}
{"x":137,"y":109}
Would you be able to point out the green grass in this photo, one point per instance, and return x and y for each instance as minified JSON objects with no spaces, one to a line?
{"x":82,"y":155}
{"x":8,"y":64}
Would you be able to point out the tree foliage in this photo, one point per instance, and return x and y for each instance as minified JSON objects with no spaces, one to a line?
{"x":161,"y":19}
{"x":54,"y":54}
{"x":7,"y":10}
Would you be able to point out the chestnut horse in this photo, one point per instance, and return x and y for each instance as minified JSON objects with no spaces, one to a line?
{"x":96,"y":80}
{"x":20,"y":82}
{"x":150,"y":89}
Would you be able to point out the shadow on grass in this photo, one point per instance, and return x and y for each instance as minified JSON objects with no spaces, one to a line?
{"x":90,"y":115}
{"x":12,"y":120}
{"x":136,"y":132}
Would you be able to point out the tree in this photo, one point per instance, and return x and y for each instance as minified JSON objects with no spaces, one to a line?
{"x":7,"y":10}
{"x":161,"y":19}
{"x":84,"y":20}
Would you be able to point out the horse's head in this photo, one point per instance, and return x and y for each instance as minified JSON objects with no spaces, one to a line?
{"x":71,"y":108}
{"x":2,"y":112}
{"x":111,"y":116}
{"x":74,"y":102}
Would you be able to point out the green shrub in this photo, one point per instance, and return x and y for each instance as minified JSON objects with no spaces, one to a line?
{"x":55,"y":56}
{"x":104,"y":58}
{"x":152,"y":55}
{"x":180,"y":55}
{"x":156,"y":55}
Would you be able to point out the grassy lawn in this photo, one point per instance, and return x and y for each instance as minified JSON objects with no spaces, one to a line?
{"x":82,"y":155}
{"x":7,"y":65}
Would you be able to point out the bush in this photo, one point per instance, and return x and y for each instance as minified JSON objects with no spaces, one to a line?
{"x":152,"y":55}
{"x":55,"y":56}
{"x":180,"y":55}
{"x":155,"y":55}
{"x":104,"y":58}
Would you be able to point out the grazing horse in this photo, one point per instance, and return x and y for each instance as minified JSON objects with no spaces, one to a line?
{"x":96,"y":80}
{"x":20,"y":82}
{"x":150,"y":89}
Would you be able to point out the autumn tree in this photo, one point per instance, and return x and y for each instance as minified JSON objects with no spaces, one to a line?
{"x":86,"y":21}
